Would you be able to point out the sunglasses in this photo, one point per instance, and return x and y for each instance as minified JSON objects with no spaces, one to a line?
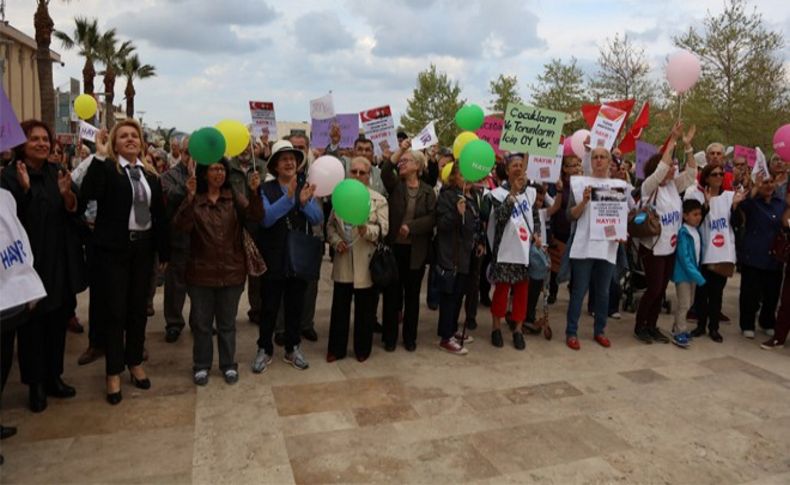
{"x":716,"y":174}
{"x":359,"y":172}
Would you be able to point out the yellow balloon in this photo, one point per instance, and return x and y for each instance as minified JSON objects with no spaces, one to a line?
{"x":446,"y":172}
{"x":460,"y":142}
{"x":237,"y":137}
{"x":85,"y":106}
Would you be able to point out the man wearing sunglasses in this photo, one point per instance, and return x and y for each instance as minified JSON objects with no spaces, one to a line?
{"x":714,"y":155}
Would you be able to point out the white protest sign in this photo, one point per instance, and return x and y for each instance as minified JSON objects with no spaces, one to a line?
{"x":425,"y":138}
{"x":88,"y":131}
{"x":607,"y":126}
{"x":609,"y":217}
{"x":541,"y":168}
{"x":263,"y":119}
{"x":760,"y":165}
{"x":379,"y":127}
{"x":322,"y":108}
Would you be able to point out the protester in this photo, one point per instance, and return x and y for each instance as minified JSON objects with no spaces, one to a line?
{"x":686,"y":272}
{"x":714,"y":155}
{"x":560,"y":223}
{"x":412,"y":206}
{"x":289,"y":206}
{"x":125,"y":246}
{"x":761,"y":274}
{"x":354,"y":247}
{"x":591,"y":260}
{"x":457,"y":221}
{"x":661,"y":189}
{"x":174,"y":188}
{"x":49,"y":211}
{"x":718,"y":246}
{"x":511,"y":231}
{"x":213,"y":217}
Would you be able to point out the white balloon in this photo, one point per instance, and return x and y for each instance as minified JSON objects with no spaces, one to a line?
{"x":325,"y":173}
{"x":683,"y":71}
{"x":577,"y":142}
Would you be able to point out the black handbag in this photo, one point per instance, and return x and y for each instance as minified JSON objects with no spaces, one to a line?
{"x":444,"y":279}
{"x":383,"y":266}
{"x":304,"y":253}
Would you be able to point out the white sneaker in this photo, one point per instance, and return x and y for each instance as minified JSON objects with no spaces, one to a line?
{"x":748,"y":334}
{"x":616,"y":316}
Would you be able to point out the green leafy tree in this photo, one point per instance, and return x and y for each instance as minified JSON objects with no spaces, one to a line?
{"x":743,"y":92}
{"x":561,"y":87}
{"x":623,"y":72}
{"x":436,"y":98}
{"x":132,"y":68}
{"x":85,"y":38}
{"x":504,"y":91}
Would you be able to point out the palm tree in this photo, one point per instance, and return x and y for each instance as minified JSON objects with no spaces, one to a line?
{"x":44,"y":27}
{"x":111,"y":55}
{"x":131,"y":68}
{"x":86,"y":39}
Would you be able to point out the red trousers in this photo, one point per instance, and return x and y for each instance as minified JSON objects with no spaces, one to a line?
{"x":499,"y":302}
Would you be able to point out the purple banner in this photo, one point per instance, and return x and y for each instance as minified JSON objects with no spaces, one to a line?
{"x":644,"y":151}
{"x":11,"y":133}
{"x":349,"y":130}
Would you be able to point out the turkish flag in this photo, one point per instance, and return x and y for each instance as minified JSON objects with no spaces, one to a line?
{"x":590,"y":111}
{"x":628,"y":144}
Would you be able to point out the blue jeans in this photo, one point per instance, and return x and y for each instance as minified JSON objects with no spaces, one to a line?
{"x":583,"y":271}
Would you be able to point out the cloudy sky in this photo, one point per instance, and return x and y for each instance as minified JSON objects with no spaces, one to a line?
{"x":212,"y":56}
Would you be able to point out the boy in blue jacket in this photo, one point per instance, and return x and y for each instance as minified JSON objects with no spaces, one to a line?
{"x":686,"y":273}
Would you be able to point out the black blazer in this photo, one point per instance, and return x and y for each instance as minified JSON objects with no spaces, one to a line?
{"x":113,"y":193}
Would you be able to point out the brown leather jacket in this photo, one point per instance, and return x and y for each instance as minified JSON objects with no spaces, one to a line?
{"x":216,"y":253}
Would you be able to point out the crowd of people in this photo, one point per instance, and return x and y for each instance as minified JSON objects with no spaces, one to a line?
{"x":126,"y":216}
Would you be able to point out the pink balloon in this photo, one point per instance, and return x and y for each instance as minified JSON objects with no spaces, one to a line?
{"x":683,"y":71}
{"x":325,"y":173}
{"x":567,"y":149}
{"x":782,"y":142}
{"x":577,"y":142}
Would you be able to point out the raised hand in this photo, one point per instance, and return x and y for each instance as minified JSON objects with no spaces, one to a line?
{"x":64,"y":182}
{"x":740,"y":194}
{"x":102,"y":143}
{"x":255,"y":181}
{"x":461,"y":206}
{"x":291,"y":188}
{"x":22,"y":176}
{"x":306,"y":194}
{"x":689,"y":136}
{"x":587,"y":194}
{"x":677,"y":130}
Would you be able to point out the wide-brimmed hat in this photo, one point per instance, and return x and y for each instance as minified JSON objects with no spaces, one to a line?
{"x":280,"y":147}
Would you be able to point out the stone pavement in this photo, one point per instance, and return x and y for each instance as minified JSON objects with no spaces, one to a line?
{"x":635,"y":413}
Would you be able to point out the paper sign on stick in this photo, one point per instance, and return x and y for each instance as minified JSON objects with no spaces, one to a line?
{"x":263,"y":119}
{"x":322,"y":108}
{"x":348,"y":124}
{"x":606,"y":127}
{"x":541,"y":168}
{"x":379,"y":127}
{"x":425,"y":138}
{"x":532,"y":130}
{"x":88,"y":131}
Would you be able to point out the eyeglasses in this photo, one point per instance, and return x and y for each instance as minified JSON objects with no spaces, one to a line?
{"x":301,"y":148}
{"x":218,"y":168}
{"x":715,"y":153}
{"x":359,"y":172}
{"x":716,"y":174}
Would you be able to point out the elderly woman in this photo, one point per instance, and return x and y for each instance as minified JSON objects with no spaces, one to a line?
{"x":289,"y":206}
{"x":718,"y":246}
{"x":47,"y":208}
{"x":211,"y":214}
{"x":592,"y":260}
{"x":662,"y":190}
{"x":412,"y":205}
{"x":354,"y":246}
{"x":511,"y":230}
{"x":130,"y":227}
{"x":560,"y":224}
{"x":457,"y":220}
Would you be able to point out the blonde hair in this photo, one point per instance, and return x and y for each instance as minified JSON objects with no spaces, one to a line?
{"x":114,"y":155}
{"x":361,"y":160}
{"x":419,"y":159}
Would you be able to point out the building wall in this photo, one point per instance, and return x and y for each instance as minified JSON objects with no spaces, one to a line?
{"x":20,"y":78}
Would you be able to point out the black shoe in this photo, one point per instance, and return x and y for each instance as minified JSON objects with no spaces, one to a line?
{"x":309,"y":334}
{"x":378,"y":327}
{"x":698,"y":332}
{"x":658,"y":336}
{"x":471,"y":324}
{"x":143,"y":384}
{"x":90,"y":355}
{"x":530,"y":329}
{"x":171,"y":335}
{"x":37,"y":398}
{"x":60,"y":389}
{"x":496,"y":338}
{"x":485,"y":300}
{"x":7,"y":432}
{"x":114,"y":398}
{"x":389,"y":347}
{"x":518,"y":341}
{"x":433,"y":306}
{"x":643,"y":335}
{"x":410,"y":346}
{"x":716,"y":336}
{"x":552,"y":299}
{"x":279,"y":339}
{"x":255,"y":318}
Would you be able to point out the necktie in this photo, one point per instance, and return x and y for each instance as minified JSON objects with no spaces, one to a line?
{"x":141,"y":212}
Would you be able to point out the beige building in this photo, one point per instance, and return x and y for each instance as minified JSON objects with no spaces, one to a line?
{"x":20,"y":71}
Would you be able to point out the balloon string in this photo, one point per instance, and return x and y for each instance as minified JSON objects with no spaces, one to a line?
{"x":680,"y":106}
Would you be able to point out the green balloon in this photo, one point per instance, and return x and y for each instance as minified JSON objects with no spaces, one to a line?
{"x":469,"y":117}
{"x":207,"y":145}
{"x":477,"y":160}
{"x":351,"y":201}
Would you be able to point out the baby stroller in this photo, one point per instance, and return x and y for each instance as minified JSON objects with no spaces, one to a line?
{"x":634,"y":282}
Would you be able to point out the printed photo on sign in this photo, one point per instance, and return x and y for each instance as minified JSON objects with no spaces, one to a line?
{"x":541,"y":168}
{"x":263,"y":119}
{"x":609,"y":207}
{"x":344,"y":127}
{"x":379,"y":127}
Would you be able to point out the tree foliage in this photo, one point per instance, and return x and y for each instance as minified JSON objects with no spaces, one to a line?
{"x":561,"y":87}
{"x":436,"y":98}
{"x":504,"y":90}
{"x":623,"y":72}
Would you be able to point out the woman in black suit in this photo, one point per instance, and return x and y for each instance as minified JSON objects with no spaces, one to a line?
{"x":130,"y":227}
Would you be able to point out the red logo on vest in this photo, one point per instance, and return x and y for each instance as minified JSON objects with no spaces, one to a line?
{"x":718,"y":240}
{"x":523,"y":234}
{"x":674,"y":241}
